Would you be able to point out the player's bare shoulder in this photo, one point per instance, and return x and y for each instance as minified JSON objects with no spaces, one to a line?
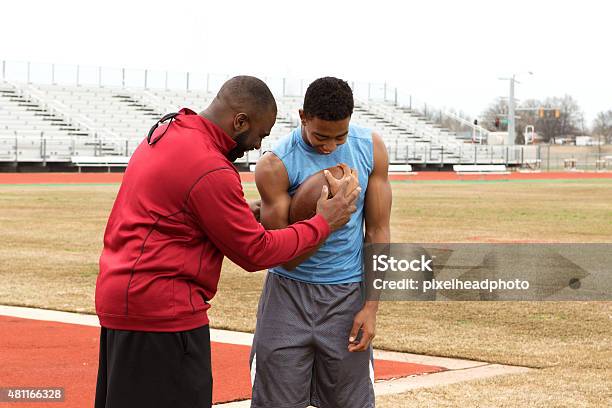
{"x":270,"y":173}
{"x":381,"y":157}
{"x":378,"y":142}
{"x":376,"y":138}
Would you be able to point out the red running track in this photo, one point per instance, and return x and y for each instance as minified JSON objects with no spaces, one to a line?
{"x":105,"y":178}
{"x":36,"y":353}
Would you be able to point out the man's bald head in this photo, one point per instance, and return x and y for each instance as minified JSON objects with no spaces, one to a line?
{"x":247,"y":94}
{"x":246,"y":110}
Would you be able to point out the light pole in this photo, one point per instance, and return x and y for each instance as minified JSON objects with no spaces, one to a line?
{"x":511,"y":108}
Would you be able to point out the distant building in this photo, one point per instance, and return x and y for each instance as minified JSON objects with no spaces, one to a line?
{"x":587,"y":141}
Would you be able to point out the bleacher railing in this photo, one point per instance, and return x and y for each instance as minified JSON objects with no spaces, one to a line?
{"x":118,"y":77}
{"x":57,"y":149}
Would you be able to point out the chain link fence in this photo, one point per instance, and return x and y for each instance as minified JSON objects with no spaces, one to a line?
{"x":578,"y":158}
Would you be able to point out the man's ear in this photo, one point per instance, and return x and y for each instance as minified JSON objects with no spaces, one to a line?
{"x":241,"y":122}
{"x":302,"y":116}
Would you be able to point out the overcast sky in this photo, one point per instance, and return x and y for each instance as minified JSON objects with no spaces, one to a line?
{"x":447,"y":53}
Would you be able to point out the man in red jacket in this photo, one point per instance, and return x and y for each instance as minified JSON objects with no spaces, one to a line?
{"x":179,"y":210}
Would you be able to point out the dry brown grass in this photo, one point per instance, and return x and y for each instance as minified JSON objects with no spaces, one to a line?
{"x":50,"y":242}
{"x":51,"y":239}
{"x":559,"y":387}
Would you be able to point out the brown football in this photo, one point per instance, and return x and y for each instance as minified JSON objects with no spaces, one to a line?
{"x":304,"y":201}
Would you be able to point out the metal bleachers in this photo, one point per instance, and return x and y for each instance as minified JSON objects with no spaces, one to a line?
{"x":42,"y":123}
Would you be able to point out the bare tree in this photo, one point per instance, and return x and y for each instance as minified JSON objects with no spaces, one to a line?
{"x":497,"y":113}
{"x":494,"y":113}
{"x":602,"y":126}
{"x":568,"y":122}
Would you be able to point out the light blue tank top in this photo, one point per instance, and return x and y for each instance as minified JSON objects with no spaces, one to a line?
{"x":339,"y":260}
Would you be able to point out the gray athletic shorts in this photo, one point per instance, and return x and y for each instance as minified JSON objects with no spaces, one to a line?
{"x":300,"y":351}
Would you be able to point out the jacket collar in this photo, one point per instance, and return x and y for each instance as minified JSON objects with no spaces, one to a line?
{"x":222,"y":141}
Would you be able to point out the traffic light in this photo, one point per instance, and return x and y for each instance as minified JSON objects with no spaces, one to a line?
{"x":497,"y":123}
{"x":475,"y":122}
{"x":541,"y":112}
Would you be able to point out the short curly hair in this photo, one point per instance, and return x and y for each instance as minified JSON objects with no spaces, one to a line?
{"x":329,"y":98}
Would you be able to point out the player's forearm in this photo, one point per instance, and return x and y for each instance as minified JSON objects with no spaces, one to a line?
{"x":270,"y":219}
{"x":278,"y":246}
{"x":378,"y":235}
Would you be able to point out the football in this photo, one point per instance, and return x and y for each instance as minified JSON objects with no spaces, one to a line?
{"x":304,"y":202}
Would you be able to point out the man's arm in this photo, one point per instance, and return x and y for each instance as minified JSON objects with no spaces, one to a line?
{"x":377,"y":210}
{"x":273,"y":184}
{"x":217,"y":202}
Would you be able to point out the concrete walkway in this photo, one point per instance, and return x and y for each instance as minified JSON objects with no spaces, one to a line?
{"x":457,"y":370}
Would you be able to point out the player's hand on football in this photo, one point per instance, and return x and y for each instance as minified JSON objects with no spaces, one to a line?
{"x":364,"y":328}
{"x":334,"y":183}
{"x":338,"y":209}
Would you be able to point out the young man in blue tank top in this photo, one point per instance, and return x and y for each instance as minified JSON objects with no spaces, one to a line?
{"x":312,"y":342}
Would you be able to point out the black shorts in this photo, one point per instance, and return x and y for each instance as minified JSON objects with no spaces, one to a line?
{"x":154,"y":370}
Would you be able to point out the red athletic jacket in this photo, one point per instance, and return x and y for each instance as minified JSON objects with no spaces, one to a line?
{"x":179,"y":210}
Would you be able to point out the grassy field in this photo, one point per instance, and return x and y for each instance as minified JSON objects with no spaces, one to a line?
{"x":50,"y":240}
